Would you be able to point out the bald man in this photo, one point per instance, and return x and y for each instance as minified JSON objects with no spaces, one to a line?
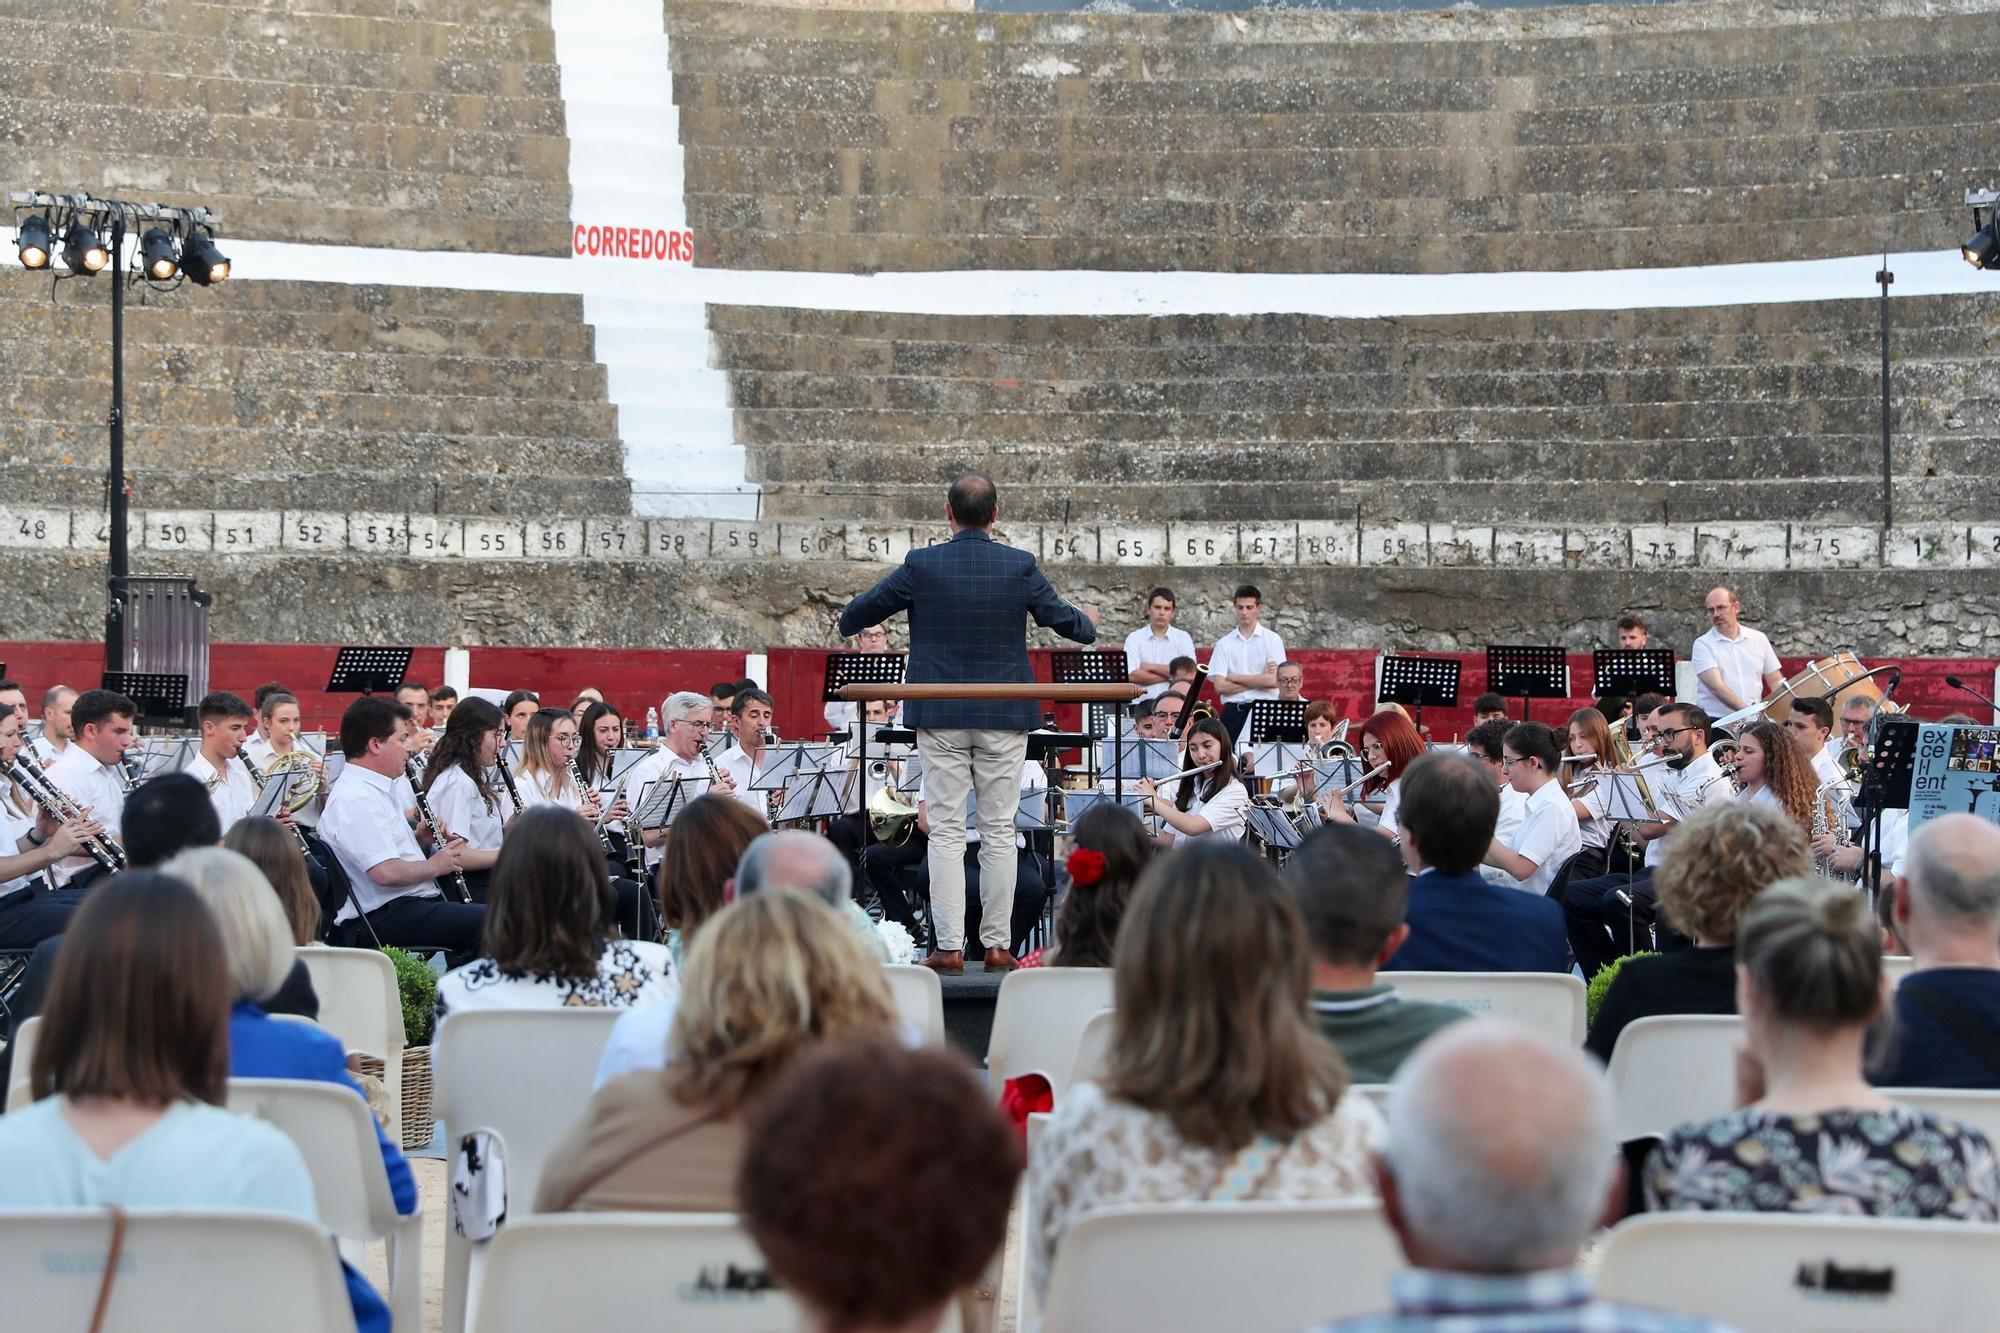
{"x":1947,"y":909}
{"x":1500,"y":1165}
{"x":1734,"y":665}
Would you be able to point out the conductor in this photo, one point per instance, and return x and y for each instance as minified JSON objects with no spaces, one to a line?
{"x":968,"y":601}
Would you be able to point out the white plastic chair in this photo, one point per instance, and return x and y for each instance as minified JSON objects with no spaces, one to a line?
{"x":1198,"y":1267}
{"x":1977,"y":1107}
{"x":1038,"y":1021}
{"x":919,"y":999}
{"x":20,"y":1073}
{"x":1896,"y":966}
{"x":1377,"y":1095}
{"x":182,"y":1271}
{"x":1828,"y":1274}
{"x":1550,"y":1002}
{"x":359,"y":1004}
{"x":1671,"y":1070}
{"x":526,"y":1075}
{"x":1093,"y":1048}
{"x":1030,"y":1310}
{"x":642,"y":1272}
{"x":335,"y":1133}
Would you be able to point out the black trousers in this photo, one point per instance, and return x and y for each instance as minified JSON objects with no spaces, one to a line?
{"x":901,"y":877}
{"x":431,"y":923}
{"x":1235,"y":717}
{"x":29,"y":916}
{"x":1608,"y":917}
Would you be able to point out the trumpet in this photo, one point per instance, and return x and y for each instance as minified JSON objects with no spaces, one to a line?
{"x":59,"y":807}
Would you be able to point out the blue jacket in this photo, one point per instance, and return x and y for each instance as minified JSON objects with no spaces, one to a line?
{"x":262,"y":1047}
{"x":1461,"y":923}
{"x":969,"y":601}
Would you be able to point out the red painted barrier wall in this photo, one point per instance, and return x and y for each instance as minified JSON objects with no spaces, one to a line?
{"x":634,"y":679}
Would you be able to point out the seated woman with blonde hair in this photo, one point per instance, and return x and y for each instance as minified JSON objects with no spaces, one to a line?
{"x":770,"y":976}
{"x":1220,"y":1087}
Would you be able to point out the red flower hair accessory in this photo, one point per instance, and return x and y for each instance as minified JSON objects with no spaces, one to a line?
{"x":1085,"y":867}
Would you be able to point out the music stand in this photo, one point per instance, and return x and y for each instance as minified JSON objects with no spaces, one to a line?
{"x":1278,"y":720}
{"x":1416,"y":681}
{"x":1886,"y":778}
{"x":1152,"y":757}
{"x":1274,"y":828}
{"x":1527,"y":672}
{"x":158,"y":696}
{"x":813,"y":796}
{"x":844,"y":669}
{"x":662,"y":802}
{"x":1630,"y":672}
{"x":368,"y":670}
{"x":1075,"y":803}
{"x":791,"y":759}
{"x":1093,"y":666}
{"x":272,"y":798}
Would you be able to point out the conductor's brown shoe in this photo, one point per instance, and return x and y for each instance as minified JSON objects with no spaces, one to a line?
{"x":941,"y":961}
{"x":999,"y":960}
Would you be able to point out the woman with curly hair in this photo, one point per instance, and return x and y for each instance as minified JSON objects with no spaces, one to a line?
{"x":1775,"y":772}
{"x":1713,"y":865}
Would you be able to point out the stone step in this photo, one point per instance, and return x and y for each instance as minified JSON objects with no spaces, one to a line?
{"x":564,"y":346}
{"x":270,"y":491}
{"x":526,"y":38}
{"x":247,"y":371}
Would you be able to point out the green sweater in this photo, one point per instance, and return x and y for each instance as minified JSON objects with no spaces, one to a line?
{"x":1376,"y":1029}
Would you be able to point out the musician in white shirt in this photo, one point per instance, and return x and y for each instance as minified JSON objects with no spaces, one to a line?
{"x":688,"y":719}
{"x":839,"y":713}
{"x":1153,"y":645}
{"x":1734,"y":665}
{"x":56,"y":730}
{"x":225,"y":722}
{"x":395,"y":883}
{"x":14,"y":699}
{"x":1205,"y":805}
{"x":1243,"y":666}
{"x":751,"y":712}
{"x":1486,"y":743}
{"x":89,"y":772}
{"x":462,"y":796}
{"x":1548,"y":836}
{"x":1811,"y":724}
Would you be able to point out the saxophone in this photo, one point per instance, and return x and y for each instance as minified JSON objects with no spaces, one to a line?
{"x":1824,"y":822}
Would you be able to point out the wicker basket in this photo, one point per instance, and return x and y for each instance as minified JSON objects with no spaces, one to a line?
{"x":419,"y":1126}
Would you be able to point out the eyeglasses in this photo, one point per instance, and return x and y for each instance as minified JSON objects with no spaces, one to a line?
{"x":1672,"y":732}
{"x":1508,"y":761}
{"x":698,"y":726}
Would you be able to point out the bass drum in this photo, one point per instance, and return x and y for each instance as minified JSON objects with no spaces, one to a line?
{"x":1843,"y":672}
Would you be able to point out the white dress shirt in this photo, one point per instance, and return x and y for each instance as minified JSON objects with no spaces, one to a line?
{"x":456,"y":801}
{"x":741,"y":769}
{"x":1237,"y":655}
{"x":663,"y":765}
{"x":551,"y":788}
{"x":1744,"y":661}
{"x":1224,"y":811}
{"x":260,"y":752}
{"x":233,"y":796}
{"x":45,"y":753}
{"x":16,"y":823}
{"x":1392,"y":806}
{"x":1596,"y":830}
{"x":1513,"y":806}
{"x":364,"y":825}
{"x":1825,"y":768}
{"x":101,"y":787}
{"x":1549,"y":835}
{"x":1144,"y":648}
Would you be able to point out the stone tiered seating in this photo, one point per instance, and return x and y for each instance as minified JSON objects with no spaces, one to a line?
{"x":438,"y":126}
{"x":1744,"y":412}
{"x":1524,"y":139}
{"x":300,"y":396}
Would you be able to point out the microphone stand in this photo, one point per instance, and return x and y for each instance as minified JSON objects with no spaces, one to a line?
{"x":1961,"y":686}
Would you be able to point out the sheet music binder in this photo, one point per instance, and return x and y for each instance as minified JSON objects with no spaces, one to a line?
{"x":159,"y":697}
{"x":1277,"y":720}
{"x":359,"y":670}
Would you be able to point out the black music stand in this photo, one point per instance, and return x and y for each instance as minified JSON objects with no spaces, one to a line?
{"x":1527,"y":672}
{"x":159,"y":697}
{"x":1094,"y":666}
{"x":1416,"y":681}
{"x":844,"y":669}
{"x":1886,"y":778}
{"x":1278,"y":720}
{"x":369,"y":670}
{"x":1624,"y":674}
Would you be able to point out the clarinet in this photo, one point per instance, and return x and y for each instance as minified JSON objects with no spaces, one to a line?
{"x":458,"y":883}
{"x":60,"y":808}
{"x":257,"y":779}
{"x":576,"y":776}
{"x":507,"y":779}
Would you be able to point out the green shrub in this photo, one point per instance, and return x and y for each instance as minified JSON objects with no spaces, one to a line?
{"x":418,"y":987}
{"x":1601,"y":983}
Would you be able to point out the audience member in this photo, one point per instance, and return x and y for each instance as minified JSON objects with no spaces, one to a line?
{"x":699,"y":862}
{"x":1499,"y":1167}
{"x":1110,"y":849}
{"x":130,"y":1078}
{"x":1351,"y":888}
{"x":807,"y":863}
{"x":1459,"y":922}
{"x":1946,"y":1027}
{"x":274,"y":850}
{"x":826,"y":1194}
{"x":257,"y":949}
{"x":770,"y":976}
{"x":551,"y":941}
{"x":1810,"y":1135}
{"x":1218,"y":1086}
{"x":1713,"y":866}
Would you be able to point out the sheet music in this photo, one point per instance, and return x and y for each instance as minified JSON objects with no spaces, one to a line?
{"x":272,"y":799}
{"x":1623,"y":800}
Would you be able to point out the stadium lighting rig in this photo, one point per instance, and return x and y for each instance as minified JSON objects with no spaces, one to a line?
{"x":171,"y":245}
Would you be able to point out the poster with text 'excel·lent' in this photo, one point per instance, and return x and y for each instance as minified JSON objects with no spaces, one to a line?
{"x":1958,"y":768}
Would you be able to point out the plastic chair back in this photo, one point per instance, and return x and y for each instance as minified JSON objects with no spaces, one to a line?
{"x":1549,"y":1002}
{"x":20,"y":1073}
{"x":525,"y":1074}
{"x":1198,"y":1267}
{"x":1039,"y":1019}
{"x":919,"y":999}
{"x":1828,"y":1274}
{"x":1977,"y":1107}
{"x":1896,"y":966}
{"x":182,"y":1271}
{"x":1093,"y":1048}
{"x":1671,"y":1070}
{"x":645,"y":1272}
{"x":360,"y":1004}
